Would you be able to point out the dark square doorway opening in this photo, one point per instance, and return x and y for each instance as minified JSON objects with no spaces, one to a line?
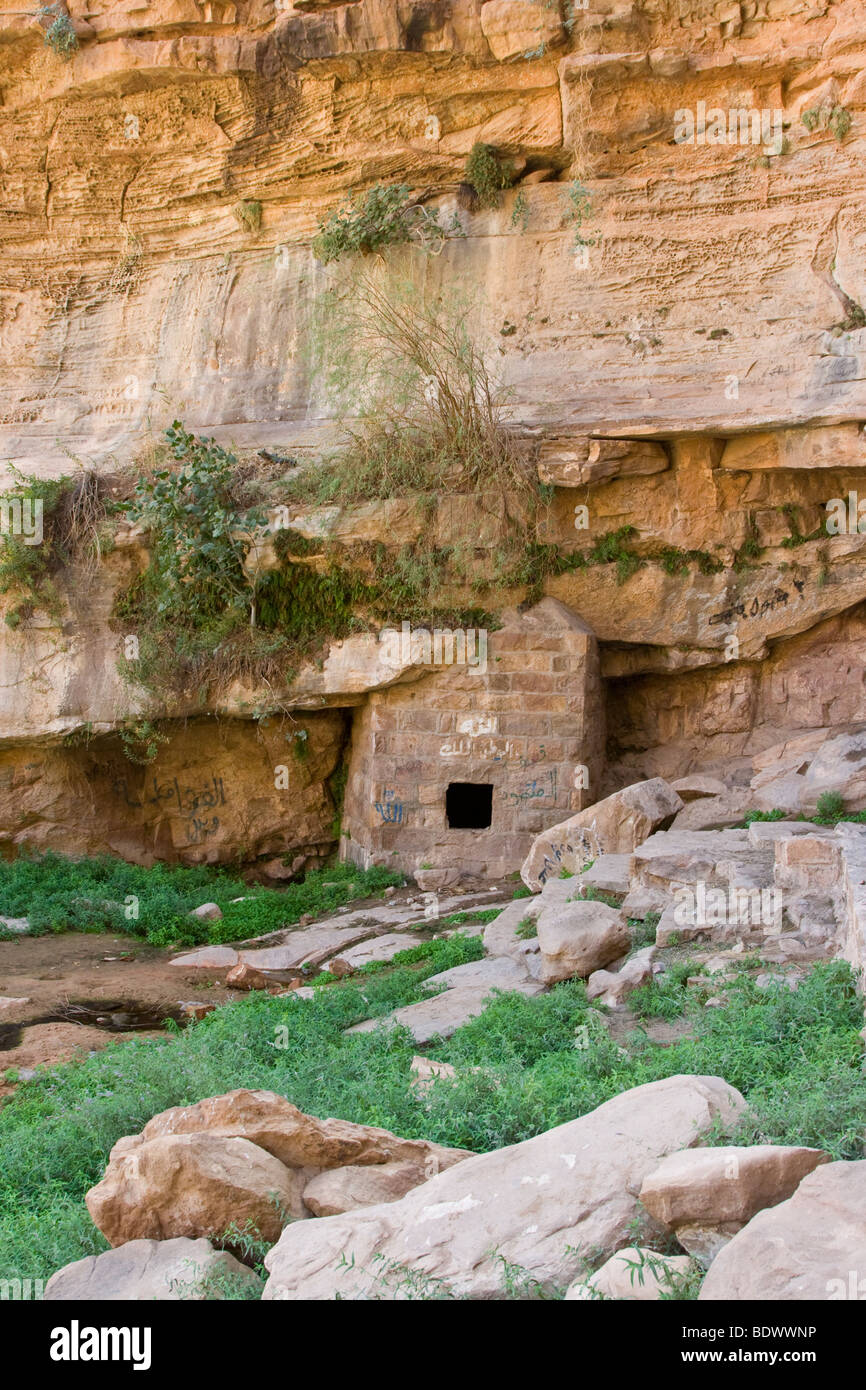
{"x":469,"y":805}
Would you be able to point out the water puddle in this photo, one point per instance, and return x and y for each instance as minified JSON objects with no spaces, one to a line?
{"x":114,"y":1016}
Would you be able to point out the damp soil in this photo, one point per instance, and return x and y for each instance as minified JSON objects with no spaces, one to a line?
{"x":83,"y":991}
{"x":114,"y":1015}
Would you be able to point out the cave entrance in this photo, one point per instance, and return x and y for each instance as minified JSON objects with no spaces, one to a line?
{"x":469,"y":805}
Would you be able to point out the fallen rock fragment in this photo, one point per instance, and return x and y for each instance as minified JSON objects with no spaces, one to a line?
{"x":153,"y":1270}
{"x":808,"y":1247}
{"x":246,"y":977}
{"x":195,"y":1009}
{"x":616,"y":825}
{"x":613,"y":987}
{"x":706,"y":1195}
{"x":578,"y":938}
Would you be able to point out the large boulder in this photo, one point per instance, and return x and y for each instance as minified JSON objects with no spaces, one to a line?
{"x":536,"y":1204}
{"x":193,"y":1185}
{"x":809,"y":1247}
{"x":248,"y":1155}
{"x":579,"y":938}
{"x":706,"y":1195}
{"x":793,"y":775}
{"x":838,"y":766}
{"x":154,"y":1270}
{"x":280,"y":1128}
{"x":616,"y":825}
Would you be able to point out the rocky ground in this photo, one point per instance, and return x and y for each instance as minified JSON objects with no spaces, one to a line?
{"x":638,"y":1198}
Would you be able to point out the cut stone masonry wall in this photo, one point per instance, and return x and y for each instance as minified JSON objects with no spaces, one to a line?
{"x":530,"y":726}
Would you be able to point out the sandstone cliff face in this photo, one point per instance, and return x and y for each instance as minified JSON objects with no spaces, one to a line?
{"x":712,"y":318}
{"x":127,"y":280}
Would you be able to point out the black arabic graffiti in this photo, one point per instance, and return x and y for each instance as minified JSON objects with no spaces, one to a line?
{"x":758,"y":608}
{"x":186,"y":802}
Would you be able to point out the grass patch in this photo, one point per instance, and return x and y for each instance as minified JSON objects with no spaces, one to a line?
{"x":830,"y":811}
{"x":665,"y":996}
{"x":106,"y":894}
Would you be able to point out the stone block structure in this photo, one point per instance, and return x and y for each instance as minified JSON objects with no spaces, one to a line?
{"x":461,"y":768}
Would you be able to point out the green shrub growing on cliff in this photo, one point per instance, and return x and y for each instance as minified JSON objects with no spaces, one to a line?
{"x":383,"y":216}
{"x":47,"y":523}
{"x":578,"y":209}
{"x":836,"y":119}
{"x":60,"y":36}
{"x":751,"y":547}
{"x":676,"y":562}
{"x":485,"y":175}
{"x":197,"y":558}
{"x":193,"y":610}
{"x":791,"y":515}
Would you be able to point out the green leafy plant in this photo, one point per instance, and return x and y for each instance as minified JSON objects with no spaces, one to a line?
{"x":674,"y":1287}
{"x":57,"y":894}
{"x":194,"y":608}
{"x":611,"y":549}
{"x":526,"y":929}
{"x":60,"y":36}
{"x":520,"y":212}
{"x":676,"y":562}
{"x":484,"y":176}
{"x":839,"y":122}
{"x":385,"y":215}
{"x":578,"y":210}
{"x":141,"y":740}
{"x":197,"y":559}
{"x":830,"y":805}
